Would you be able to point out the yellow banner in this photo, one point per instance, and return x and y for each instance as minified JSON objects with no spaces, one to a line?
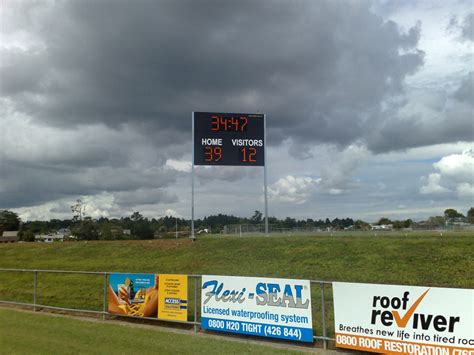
{"x":173,"y":297}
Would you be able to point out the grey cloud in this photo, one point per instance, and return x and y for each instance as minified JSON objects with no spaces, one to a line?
{"x":316,"y":68}
{"x":415,"y":131}
{"x":424,"y":117}
{"x":320,"y":70}
{"x":467,"y":27}
{"x":28,"y":78}
{"x":465,"y":92}
{"x":25,"y":185}
{"x":228,"y":173}
{"x":143,"y":196}
{"x":464,"y":28}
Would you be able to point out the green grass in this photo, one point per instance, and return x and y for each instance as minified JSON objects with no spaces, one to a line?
{"x":424,"y":259}
{"x":28,"y":333}
{"x":418,"y":259}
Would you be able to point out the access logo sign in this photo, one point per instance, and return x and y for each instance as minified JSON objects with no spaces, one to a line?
{"x":404,"y":319}
{"x":276,"y":308}
{"x":173,"y":297}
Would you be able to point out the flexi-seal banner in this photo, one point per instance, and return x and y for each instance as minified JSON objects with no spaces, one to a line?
{"x":276,"y":308}
{"x":404,"y":319}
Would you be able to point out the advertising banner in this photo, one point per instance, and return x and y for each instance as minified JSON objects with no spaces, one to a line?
{"x":133,"y":294}
{"x":404,"y":319}
{"x":276,"y":308}
{"x":173,"y":297}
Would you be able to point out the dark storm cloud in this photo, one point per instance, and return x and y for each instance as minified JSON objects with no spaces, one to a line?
{"x":318,"y":69}
{"x":39,"y":164}
{"x":28,"y":185}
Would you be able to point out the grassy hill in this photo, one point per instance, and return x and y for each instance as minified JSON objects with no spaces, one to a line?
{"x":416,"y":259}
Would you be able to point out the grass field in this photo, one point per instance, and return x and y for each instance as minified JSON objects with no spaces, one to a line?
{"x":416,"y":259}
{"x":28,"y":333}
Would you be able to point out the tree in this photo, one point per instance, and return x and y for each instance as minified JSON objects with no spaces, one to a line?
{"x":136,"y":217}
{"x":383,"y":221}
{"x":470,"y":215}
{"x":141,"y":227}
{"x":256,"y":218}
{"x":9,"y":221}
{"x":106,"y":232}
{"x":86,"y":229}
{"x":408,"y":223}
{"x":27,"y":236}
{"x":79,"y":209}
{"x":452,"y":213}
{"x":359,"y":224}
{"x":398,"y":224}
{"x":143,"y":230}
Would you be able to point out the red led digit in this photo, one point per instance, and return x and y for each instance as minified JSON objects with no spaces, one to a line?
{"x":224,"y":122}
{"x":208,"y":153}
{"x":252,"y":154}
{"x":244,"y":154}
{"x":235,"y":123}
{"x":217,"y":153}
{"x":243,"y":123}
{"x":214,"y":123}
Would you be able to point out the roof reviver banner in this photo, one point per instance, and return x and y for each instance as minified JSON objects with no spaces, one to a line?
{"x":404,"y":319}
{"x":277,"y":308}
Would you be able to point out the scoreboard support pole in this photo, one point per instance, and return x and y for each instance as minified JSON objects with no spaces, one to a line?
{"x":193,"y":237}
{"x":265,"y":172}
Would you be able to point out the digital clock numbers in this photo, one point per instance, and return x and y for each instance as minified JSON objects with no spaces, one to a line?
{"x":229,"y":139}
{"x":234,"y":124}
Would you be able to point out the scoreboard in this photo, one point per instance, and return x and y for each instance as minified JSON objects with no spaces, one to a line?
{"x":236,"y":139}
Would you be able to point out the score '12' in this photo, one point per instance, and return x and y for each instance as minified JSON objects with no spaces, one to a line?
{"x":248,"y":155}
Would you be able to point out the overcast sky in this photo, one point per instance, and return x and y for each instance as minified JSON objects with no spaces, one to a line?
{"x":369,"y":106}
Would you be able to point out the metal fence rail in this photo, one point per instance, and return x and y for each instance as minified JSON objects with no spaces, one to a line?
{"x":195,"y":322}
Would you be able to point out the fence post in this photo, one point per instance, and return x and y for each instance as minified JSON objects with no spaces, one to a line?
{"x":323,"y":315}
{"x":195,"y":303}
{"x":104,"y":307}
{"x":35,"y":288}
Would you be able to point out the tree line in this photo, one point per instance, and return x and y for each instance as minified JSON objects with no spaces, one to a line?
{"x":136,"y":226}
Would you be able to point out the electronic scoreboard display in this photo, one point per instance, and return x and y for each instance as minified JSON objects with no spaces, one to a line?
{"x":229,"y":139}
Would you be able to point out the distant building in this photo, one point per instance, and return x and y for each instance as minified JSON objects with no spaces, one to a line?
{"x":127,"y":232}
{"x":59,"y":236}
{"x":49,"y":238}
{"x":382,"y":227}
{"x":9,"y":237}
